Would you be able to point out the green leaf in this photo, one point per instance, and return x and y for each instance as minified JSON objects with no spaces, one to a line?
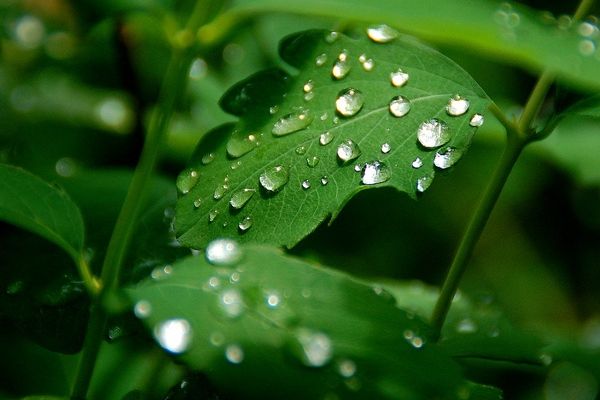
{"x":292,"y":158}
{"x":509,"y":32}
{"x":269,"y":323}
{"x":34,"y":205}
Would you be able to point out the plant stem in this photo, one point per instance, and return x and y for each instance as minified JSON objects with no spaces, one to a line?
{"x":91,"y":283}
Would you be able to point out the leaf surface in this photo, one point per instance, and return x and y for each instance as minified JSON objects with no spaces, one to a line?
{"x":306,"y":143}
{"x":274,"y":324}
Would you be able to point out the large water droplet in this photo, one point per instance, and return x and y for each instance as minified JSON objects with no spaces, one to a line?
{"x":476,"y":120}
{"x":142,"y":309}
{"x":234,"y":354}
{"x":314,"y":349}
{"x":174,"y":335}
{"x":348,"y":151}
{"x":399,"y":106}
{"x":381,"y":33}
{"x":423,"y":183}
{"x":433,"y":133}
{"x":223,"y":252}
{"x":240,"y":198}
{"x":341,"y":67}
{"x":273,"y":179}
{"x":231,"y":303}
{"x":312,"y":161}
{"x":241,"y":144}
{"x":325,"y":138}
{"x":245,"y":223}
{"x":398,"y":78}
{"x":321,"y":59}
{"x":292,"y":122}
{"x":349,"y":102}
{"x":457,"y":106}
{"x":447,"y":158}
{"x":375,"y":172}
{"x":187,"y":180}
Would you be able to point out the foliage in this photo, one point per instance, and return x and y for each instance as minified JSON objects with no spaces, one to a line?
{"x":216,"y":200}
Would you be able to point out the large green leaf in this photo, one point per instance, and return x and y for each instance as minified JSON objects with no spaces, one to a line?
{"x":510,"y":32}
{"x":270,"y":325}
{"x":287,"y":165}
{"x":34,"y":205}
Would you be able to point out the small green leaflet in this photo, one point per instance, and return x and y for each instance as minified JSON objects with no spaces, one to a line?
{"x":32,"y":204}
{"x":259,"y":322}
{"x":372,"y":110}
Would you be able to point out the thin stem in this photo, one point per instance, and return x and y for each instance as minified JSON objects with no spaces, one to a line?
{"x":536,"y":98}
{"x":91,"y":283}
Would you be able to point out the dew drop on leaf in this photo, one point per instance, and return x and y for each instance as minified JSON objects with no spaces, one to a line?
{"x":274,"y":178}
{"x":231,"y":303}
{"x":381,"y":33}
{"x":245,"y":224}
{"x":306,"y":184}
{"x":340,"y":68}
{"x":142,"y":309}
{"x":325,"y":138}
{"x":457,"y":106}
{"x":272,"y":299}
{"x":273,"y":109}
{"x":399,"y":106}
{"x":308,"y":86}
{"x":197,"y":203}
{"x":417,"y":163}
{"x":346,"y":368}
{"x":208,"y":158}
{"x":447,"y":158}
{"x":348,"y":151}
{"x":174,"y":335}
{"x":187,"y":180}
{"x":300,"y":150}
{"x":223,"y":252}
{"x":312,"y":348}
{"x":466,"y":325}
{"x":239,"y":145}
{"x":234,"y":354}
{"x":375,"y":172}
{"x":349,"y":102}
{"x":217,"y":339}
{"x":220,"y":191}
{"x":423,"y":183}
{"x":292,"y":122}
{"x":324,"y":181}
{"x":386,"y":148}
{"x":312,"y":161}
{"x":240,"y":198}
{"x":358,"y":168}
{"x":398,"y":78}
{"x":321,"y":60}
{"x":332,"y":36}
{"x":212,"y":215}
{"x":433,"y":133}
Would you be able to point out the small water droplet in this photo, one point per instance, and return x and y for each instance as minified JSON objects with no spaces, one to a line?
{"x":447,"y":158}
{"x":197,"y":203}
{"x":220,"y":191}
{"x":423,"y":183}
{"x":321,"y":60}
{"x":241,"y":144}
{"x":234,"y":277}
{"x":292,"y":122}
{"x":240,"y":198}
{"x":142,"y":309}
{"x":457,"y":106}
{"x":341,"y":67}
{"x":174,"y":335}
{"x":223,"y":252}
{"x":300,"y":150}
{"x":235,"y":165}
{"x":399,"y":106}
{"x":187,"y":180}
{"x":466,"y":325}
{"x":312,"y":161}
{"x":331,"y":37}
{"x":217,"y":339}
{"x":305,"y":184}
{"x":346,"y":368}
{"x":349,"y":102}
{"x":417,"y":163}
{"x":368,"y":64}
{"x":309,"y":96}
{"x":476,"y":120}
{"x":324,"y":181}
{"x":375,"y":172}
{"x":417,"y":342}
{"x":272,"y":299}
{"x":308,"y":86}
{"x":398,"y":78}
{"x":160,"y":273}
{"x":325,"y":138}
{"x":245,"y":223}
{"x":323,"y":116}
{"x":546,"y":359}
{"x":587,"y":47}
{"x":433,"y":133}
{"x":212,"y":215}
{"x":208,"y":158}
{"x":273,"y":179}
{"x":358,"y":168}
{"x":234,"y":354}
{"x":381,"y":33}
{"x":348,"y":151}
{"x":587,"y":29}
{"x":65,"y":167}
{"x":313,"y":348}
{"x":231,"y":303}
{"x":213,"y":283}
{"x":273,"y":109}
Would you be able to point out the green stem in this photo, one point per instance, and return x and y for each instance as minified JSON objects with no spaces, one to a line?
{"x":89,"y":280}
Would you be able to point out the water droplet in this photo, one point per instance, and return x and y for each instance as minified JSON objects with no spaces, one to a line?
{"x":399,"y":106}
{"x":273,"y":179}
{"x":313,"y":348}
{"x":381,"y":33}
{"x":220,"y":191}
{"x":234,"y":277}
{"x":368,"y":64}
{"x":375,"y":172}
{"x":300,"y":150}
{"x":241,"y":144}
{"x":142,"y":309}
{"x":398,"y":78}
{"x":308,"y":86}
{"x":341,"y":67}
{"x":213,"y":283}
{"x":587,"y":47}
{"x":358,"y":168}
{"x":348,"y":151}
{"x":223,"y":252}
{"x":321,"y":60}
{"x":160,"y":273}
{"x":417,"y":342}
{"x":292,"y":122}
{"x":231,"y":303}
{"x":325,"y":138}
{"x":331,"y":37}
{"x":234,"y":354}
{"x":476,"y":120}
{"x":305,"y":184}
{"x":349,"y":102}
{"x":212,"y":215}
{"x":208,"y":158}
{"x":546,"y":359}
{"x":309,"y":96}
{"x":346,"y":368}
{"x":245,"y":223}
{"x":433,"y":133}
{"x":240,"y":198}
{"x":423,"y":183}
{"x":273,"y":109}
{"x":323,"y":116}
{"x":65,"y":167}
{"x":417,"y":163}
{"x":217,"y":339}
{"x":447,"y":158}
{"x":457,"y":106}
{"x":466,"y":325}
{"x":272,"y":299}
{"x":174,"y":335}
{"x":235,"y":165}
{"x":187,"y":180}
{"x":587,"y":29}
{"x":324,"y":181}
{"x":312,"y":161}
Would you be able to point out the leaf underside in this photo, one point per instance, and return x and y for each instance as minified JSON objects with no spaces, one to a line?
{"x":230,"y":160}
